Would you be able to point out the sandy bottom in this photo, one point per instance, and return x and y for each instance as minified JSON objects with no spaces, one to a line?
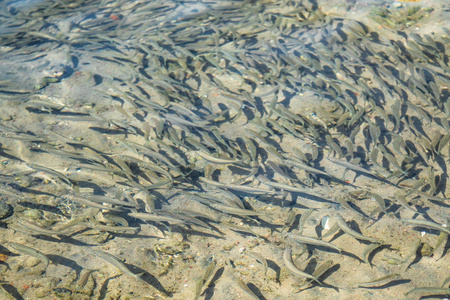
{"x":63,"y":74}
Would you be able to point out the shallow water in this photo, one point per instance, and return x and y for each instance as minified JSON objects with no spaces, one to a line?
{"x":186,"y":138}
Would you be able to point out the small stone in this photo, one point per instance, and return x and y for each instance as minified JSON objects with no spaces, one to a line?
{"x":32,"y":262}
{"x":103,"y":237}
{"x":6,"y":210}
{"x":426,"y":250}
{"x":222,"y":63}
{"x":62,"y":293}
{"x":33,"y":214}
{"x":42,"y":292}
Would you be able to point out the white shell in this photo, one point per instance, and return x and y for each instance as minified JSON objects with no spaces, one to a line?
{"x":325,"y":222}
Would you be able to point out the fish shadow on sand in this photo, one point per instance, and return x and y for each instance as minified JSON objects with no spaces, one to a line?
{"x":209,"y":292}
{"x":388,"y":285}
{"x":12,"y":290}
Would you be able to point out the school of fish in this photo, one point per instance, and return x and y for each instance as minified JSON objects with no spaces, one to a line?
{"x":265,"y":148}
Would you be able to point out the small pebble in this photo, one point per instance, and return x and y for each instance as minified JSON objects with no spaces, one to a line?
{"x":5,"y":210}
{"x":32,"y":262}
{"x":33,"y":214}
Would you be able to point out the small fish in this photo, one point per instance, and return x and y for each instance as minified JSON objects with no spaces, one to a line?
{"x":30,"y":228}
{"x":209,"y":271}
{"x":334,"y":146}
{"x":236,"y":210}
{"x":303,"y":218}
{"x":92,"y":223}
{"x":110,"y":200}
{"x":369,"y":249}
{"x":198,"y":288}
{"x":88,"y":202}
{"x":51,"y":172}
{"x":411,"y":256}
{"x":427,"y":224}
{"x":200,"y":283}
{"x":218,"y":160}
{"x":259,"y":258}
{"x":30,"y":251}
{"x":154,"y":217}
{"x":331,"y":231}
{"x":117,"y":263}
{"x":357,"y":169}
{"x":430,"y":291}
{"x":287,"y":259}
{"x":237,"y":187}
{"x":403,"y":202}
{"x":289,"y":221}
{"x":378,"y":282}
{"x":246,"y":289}
{"x":313,"y":241}
{"x":344,"y":227}
{"x":319,"y":271}
{"x":442,"y":240}
{"x":380,"y":201}
{"x":343,"y":201}
{"x":288,"y":188}
{"x":238,"y":228}
{"x":310,"y":169}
